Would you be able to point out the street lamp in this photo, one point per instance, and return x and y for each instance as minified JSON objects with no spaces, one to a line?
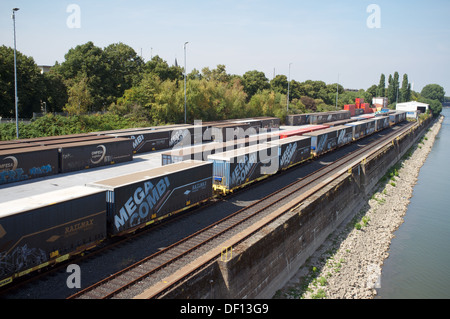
{"x":289,"y":80}
{"x":185,"y":82}
{"x":15,"y":73}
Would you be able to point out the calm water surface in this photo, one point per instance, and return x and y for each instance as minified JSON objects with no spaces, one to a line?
{"x":419,"y":262}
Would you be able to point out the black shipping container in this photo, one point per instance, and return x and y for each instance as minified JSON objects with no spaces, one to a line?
{"x":293,"y":150}
{"x":359,"y":129}
{"x":297,"y":119}
{"x":49,"y":228}
{"x":89,"y":154}
{"x":28,"y":163}
{"x":328,"y":139}
{"x":370,"y":126}
{"x":139,"y":199}
{"x":381,"y":123}
{"x":146,"y":141}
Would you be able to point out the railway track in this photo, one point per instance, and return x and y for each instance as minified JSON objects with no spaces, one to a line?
{"x":155,"y":268}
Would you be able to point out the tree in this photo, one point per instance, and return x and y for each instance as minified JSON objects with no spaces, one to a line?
{"x":80,"y":100}
{"x":433,"y":92}
{"x":405,"y":91}
{"x":254,"y":81}
{"x":123,"y":67}
{"x":160,"y":67}
{"x":88,"y":61}
{"x":381,"y":90}
{"x":30,"y":85}
{"x":55,"y":95}
{"x":279,"y":84}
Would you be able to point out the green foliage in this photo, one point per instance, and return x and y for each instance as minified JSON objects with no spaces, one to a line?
{"x":51,"y":125}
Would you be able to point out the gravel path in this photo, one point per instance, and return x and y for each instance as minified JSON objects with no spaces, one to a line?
{"x":348,"y":265}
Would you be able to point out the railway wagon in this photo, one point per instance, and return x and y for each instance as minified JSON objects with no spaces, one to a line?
{"x":142,"y":198}
{"x":95,"y":153}
{"x":329,"y":139}
{"x":326,"y":117}
{"x":201,"y":152}
{"x":292,"y":150}
{"x":28,"y":163}
{"x":38,"y":231}
{"x":370,"y":126}
{"x":381,"y":122}
{"x":231,"y":131}
{"x":269,"y":123}
{"x":397,"y":117}
{"x":159,"y":139}
{"x":358,"y":129}
{"x":237,"y":168}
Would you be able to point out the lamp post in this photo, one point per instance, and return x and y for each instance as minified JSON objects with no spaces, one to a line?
{"x":289,"y":80}
{"x":185,"y":81}
{"x":15,"y":73}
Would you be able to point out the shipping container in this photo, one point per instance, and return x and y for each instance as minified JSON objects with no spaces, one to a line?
{"x":269,"y":123}
{"x":397,"y":117}
{"x":201,"y":152}
{"x":146,"y":141}
{"x":302,"y":130}
{"x":382,"y":122}
{"x":45,"y":229}
{"x":139,"y":199}
{"x":370,"y":126}
{"x":358,"y":129}
{"x":293,"y":150}
{"x":338,"y":123}
{"x":89,"y":154}
{"x":237,"y":168}
{"x":324,"y":117}
{"x":328,"y":139}
{"x":28,"y":163}
{"x":297,"y":119}
{"x":231,"y":131}
{"x":359,"y":112}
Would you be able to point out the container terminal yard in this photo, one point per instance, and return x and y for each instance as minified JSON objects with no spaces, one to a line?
{"x":76,"y":195}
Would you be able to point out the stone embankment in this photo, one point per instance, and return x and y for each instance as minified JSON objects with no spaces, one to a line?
{"x":348,"y":265}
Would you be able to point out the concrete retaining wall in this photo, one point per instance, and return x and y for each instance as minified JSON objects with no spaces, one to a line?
{"x":263,"y":264}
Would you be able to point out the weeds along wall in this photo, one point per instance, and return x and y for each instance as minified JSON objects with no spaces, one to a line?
{"x":264,"y":263}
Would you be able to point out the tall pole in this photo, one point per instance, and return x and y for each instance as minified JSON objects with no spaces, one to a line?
{"x":289,"y":80}
{"x":15,"y":73}
{"x":185,"y":82}
{"x":337,"y":91}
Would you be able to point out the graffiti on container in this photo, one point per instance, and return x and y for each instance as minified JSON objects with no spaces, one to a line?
{"x":21,"y":258}
{"x":138,"y":206}
{"x":288,"y":154}
{"x":178,"y":136}
{"x":322,"y":141}
{"x":137,"y":141}
{"x":18,"y":174}
{"x":243,"y":168}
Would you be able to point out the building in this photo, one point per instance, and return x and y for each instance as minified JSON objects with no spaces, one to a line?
{"x":380,"y":102}
{"x":413,"y":108}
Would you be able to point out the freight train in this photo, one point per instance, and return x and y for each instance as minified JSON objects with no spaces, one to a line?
{"x":43,"y":230}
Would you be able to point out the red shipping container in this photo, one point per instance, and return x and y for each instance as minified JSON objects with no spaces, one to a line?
{"x":351,"y":108}
{"x":301,"y":131}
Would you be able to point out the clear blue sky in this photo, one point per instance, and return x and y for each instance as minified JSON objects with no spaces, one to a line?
{"x":320,"y":38}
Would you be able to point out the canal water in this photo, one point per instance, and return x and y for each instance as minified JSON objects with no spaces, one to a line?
{"x":419,"y":262}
